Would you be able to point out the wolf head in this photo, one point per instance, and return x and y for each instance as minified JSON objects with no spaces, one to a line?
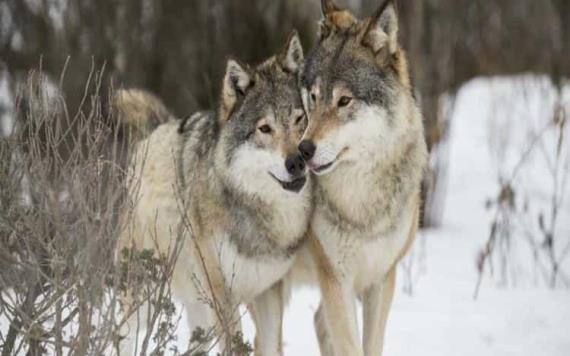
{"x":355,"y":87}
{"x":262,"y":121}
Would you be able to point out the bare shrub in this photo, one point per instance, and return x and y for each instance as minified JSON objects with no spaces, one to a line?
{"x":530,"y":210}
{"x":63,"y":192}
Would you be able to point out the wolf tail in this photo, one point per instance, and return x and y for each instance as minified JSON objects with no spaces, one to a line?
{"x":139,"y":113}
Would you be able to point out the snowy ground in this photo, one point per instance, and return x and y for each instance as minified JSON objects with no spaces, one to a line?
{"x":441,"y":317}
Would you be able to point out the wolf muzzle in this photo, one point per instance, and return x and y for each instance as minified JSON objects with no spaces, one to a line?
{"x":295,"y":166}
{"x":307,"y":149}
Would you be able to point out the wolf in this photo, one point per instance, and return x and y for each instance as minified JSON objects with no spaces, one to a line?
{"x":365,"y":145}
{"x":232,"y":183}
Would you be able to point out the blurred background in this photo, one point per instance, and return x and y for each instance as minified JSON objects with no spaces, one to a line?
{"x":492,"y":80}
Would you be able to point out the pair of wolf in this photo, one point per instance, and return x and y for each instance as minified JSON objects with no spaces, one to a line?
{"x":309,"y":171}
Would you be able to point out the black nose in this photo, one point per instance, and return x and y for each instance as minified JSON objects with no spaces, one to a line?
{"x":295,"y":165}
{"x":307,"y":149}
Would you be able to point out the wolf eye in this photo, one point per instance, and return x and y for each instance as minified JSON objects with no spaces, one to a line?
{"x":344,"y":101}
{"x":265,"y":129}
{"x":298,"y":119}
{"x":313,"y":97}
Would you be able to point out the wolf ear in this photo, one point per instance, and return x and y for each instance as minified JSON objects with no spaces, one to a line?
{"x":237,"y":82}
{"x":328,"y":6}
{"x":334,"y":19}
{"x":291,"y":57}
{"x":381,"y":33}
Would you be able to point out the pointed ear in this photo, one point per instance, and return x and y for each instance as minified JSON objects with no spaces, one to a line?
{"x":328,"y":6}
{"x":334,"y":19}
{"x":381,"y":33}
{"x":237,"y":82}
{"x":291,"y":56}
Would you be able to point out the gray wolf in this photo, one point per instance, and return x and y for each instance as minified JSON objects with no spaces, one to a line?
{"x":365,"y":145}
{"x":236,"y":177}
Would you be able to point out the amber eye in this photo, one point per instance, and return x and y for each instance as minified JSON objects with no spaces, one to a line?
{"x":344,"y":101}
{"x":299,"y":119}
{"x":265,"y":129}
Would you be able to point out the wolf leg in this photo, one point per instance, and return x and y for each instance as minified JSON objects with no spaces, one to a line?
{"x":228,"y":328}
{"x":338,"y":306}
{"x":267,"y":313}
{"x":376,"y":303}
{"x":322,"y":333}
{"x":224,"y":307}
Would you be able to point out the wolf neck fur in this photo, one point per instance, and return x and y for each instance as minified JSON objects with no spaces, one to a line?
{"x":260,"y":227}
{"x":383,"y":191}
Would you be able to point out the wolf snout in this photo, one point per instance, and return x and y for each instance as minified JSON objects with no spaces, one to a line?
{"x":307,"y":149}
{"x":295,"y":165}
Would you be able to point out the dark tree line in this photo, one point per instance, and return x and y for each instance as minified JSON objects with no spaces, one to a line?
{"x":176,"y":49}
